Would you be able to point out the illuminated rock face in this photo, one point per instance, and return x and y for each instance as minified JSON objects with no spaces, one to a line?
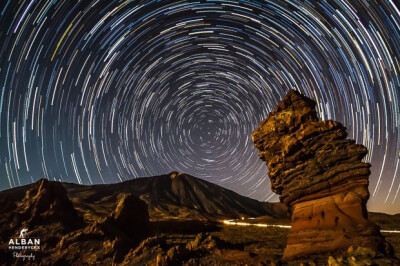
{"x":320,"y":176}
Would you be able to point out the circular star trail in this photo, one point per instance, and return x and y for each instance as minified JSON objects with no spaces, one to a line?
{"x":105,"y":91}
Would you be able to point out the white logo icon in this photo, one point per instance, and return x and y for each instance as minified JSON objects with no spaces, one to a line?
{"x":23,"y":233}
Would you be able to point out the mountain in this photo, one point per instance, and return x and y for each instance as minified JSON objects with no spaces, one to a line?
{"x":115,"y":223}
{"x":174,"y":196}
{"x":144,"y":221}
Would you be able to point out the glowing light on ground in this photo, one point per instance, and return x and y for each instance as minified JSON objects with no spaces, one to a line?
{"x":241,"y":223}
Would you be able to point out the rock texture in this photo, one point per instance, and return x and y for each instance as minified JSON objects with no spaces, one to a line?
{"x":111,"y":225}
{"x":139,"y":222}
{"x":42,"y":204}
{"x":132,"y":217}
{"x":70,"y":235}
{"x":47,"y":202}
{"x":108,"y":239}
{"x":320,"y":175}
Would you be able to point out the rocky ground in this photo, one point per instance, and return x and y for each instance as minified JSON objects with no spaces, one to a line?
{"x":117,"y":228}
{"x":271,"y":241}
{"x":160,"y":220}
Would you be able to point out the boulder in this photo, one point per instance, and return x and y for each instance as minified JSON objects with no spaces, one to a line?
{"x":46,"y":202}
{"x":131,"y":216}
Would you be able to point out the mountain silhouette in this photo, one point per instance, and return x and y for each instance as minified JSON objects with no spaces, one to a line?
{"x":175,"y":196}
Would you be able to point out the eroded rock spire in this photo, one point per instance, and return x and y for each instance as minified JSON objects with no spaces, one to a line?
{"x":320,"y":175}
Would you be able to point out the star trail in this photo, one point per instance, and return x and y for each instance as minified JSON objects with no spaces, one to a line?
{"x":106,"y":91}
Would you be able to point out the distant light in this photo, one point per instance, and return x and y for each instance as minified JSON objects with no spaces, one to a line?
{"x":233,"y":222}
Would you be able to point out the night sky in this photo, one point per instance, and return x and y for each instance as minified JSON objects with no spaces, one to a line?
{"x":106,"y":91}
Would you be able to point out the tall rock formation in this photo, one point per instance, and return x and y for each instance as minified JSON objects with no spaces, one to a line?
{"x":320,"y":175}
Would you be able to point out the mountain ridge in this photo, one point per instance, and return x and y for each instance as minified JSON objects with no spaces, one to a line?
{"x":178,"y":195}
